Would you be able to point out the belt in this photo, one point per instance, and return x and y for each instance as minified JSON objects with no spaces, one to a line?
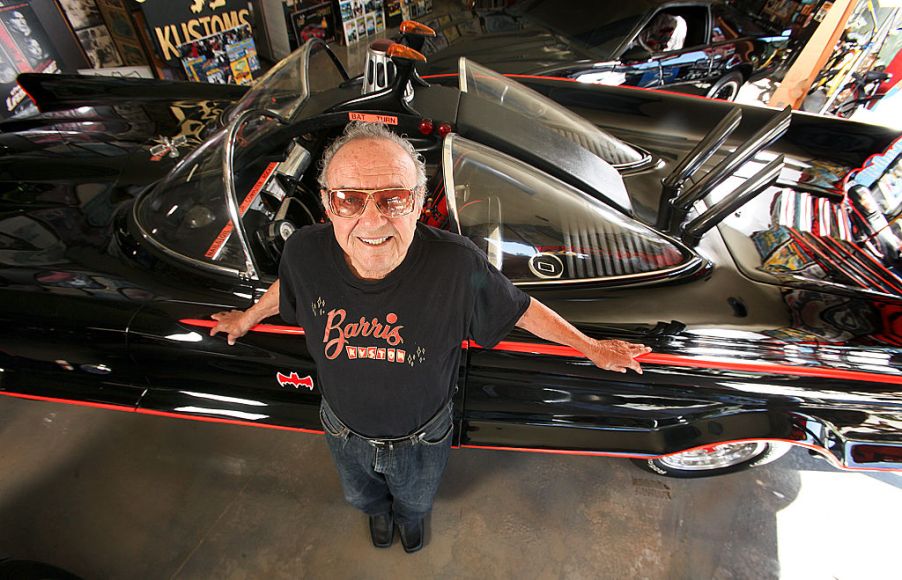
{"x":390,"y":442}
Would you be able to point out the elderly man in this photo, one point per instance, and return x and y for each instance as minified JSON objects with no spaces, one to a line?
{"x":385,"y":303}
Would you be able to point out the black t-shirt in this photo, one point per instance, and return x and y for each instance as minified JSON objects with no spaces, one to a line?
{"x":388,"y":351}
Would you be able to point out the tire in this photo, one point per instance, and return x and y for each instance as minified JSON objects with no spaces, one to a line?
{"x":727,"y":87}
{"x":718,"y":460}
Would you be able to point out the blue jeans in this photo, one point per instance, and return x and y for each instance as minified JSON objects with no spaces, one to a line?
{"x":402,"y":478}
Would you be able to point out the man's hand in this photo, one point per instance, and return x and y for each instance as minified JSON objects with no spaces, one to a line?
{"x":234,"y":323}
{"x":610,"y":355}
{"x":615,"y":355}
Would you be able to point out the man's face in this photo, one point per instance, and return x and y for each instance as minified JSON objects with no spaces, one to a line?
{"x":373,"y":244}
{"x":18,"y":22}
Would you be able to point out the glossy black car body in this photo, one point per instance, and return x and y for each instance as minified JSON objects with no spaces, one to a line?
{"x":616,"y":44}
{"x":97,"y":308}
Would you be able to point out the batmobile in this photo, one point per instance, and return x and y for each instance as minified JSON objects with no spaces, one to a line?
{"x":701,"y":47}
{"x":736,"y":241}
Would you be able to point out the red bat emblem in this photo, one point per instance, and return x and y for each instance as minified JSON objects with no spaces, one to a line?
{"x":294,"y":380}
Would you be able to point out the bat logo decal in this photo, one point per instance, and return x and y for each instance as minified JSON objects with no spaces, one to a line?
{"x":293,"y":380}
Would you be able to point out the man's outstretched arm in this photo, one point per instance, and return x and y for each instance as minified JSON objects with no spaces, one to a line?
{"x":611,"y":355}
{"x":236,"y":323}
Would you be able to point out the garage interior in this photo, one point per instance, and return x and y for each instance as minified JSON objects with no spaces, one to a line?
{"x":105,"y":494}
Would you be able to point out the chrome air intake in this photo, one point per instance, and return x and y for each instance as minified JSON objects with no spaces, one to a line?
{"x":380,"y":71}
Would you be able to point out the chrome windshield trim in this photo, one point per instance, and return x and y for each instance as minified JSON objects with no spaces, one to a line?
{"x":450,"y":197}
{"x":462,"y":73}
{"x":646,"y":159}
{"x":228,"y":158}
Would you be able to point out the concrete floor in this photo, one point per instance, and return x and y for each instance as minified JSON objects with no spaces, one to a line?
{"x":107,"y":494}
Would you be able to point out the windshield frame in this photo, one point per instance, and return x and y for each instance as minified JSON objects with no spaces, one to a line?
{"x":251,"y":270}
{"x":224,"y":138}
{"x":145,"y":197}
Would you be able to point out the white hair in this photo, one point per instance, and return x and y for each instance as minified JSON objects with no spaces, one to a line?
{"x":358,"y":130}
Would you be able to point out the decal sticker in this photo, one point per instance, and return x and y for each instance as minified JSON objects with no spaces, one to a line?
{"x":546,"y":266}
{"x":166,"y":146}
{"x":293,"y":380}
{"x":226,"y":232}
{"x":369,"y":118}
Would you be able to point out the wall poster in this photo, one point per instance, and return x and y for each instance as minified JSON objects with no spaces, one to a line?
{"x":313,"y":21}
{"x":226,"y":57}
{"x":173,"y":23}
{"x":361,"y":18}
{"x":122,"y":30}
{"x":99,"y":45}
{"x":24,"y":47}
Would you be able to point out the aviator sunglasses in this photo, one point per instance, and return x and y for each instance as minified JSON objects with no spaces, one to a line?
{"x":392,"y":202}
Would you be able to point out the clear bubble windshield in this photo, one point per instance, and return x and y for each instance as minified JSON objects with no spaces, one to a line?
{"x":187,"y":215}
{"x":537,"y":229}
{"x":487,"y":84}
{"x":285,"y":87}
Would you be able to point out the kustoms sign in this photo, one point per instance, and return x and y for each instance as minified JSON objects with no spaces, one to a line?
{"x":175,"y":22}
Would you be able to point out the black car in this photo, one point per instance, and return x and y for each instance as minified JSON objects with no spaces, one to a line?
{"x":702,"y":47}
{"x":719,"y":235}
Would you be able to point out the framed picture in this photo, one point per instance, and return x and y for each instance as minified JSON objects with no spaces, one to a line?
{"x":347,"y":12}
{"x":81,"y":13}
{"x":99,"y":45}
{"x":350,"y":28}
{"x":121,"y":28}
{"x":225,"y":57}
{"x":132,"y":54}
{"x":313,"y":22}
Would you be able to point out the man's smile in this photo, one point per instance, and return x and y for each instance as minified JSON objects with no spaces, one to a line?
{"x":375,"y":241}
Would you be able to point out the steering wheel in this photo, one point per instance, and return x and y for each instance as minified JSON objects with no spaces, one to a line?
{"x":272,"y":238}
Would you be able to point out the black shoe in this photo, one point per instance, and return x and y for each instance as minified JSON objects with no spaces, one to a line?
{"x":382,"y":530}
{"x":412,"y":534}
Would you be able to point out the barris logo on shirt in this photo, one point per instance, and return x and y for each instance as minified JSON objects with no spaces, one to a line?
{"x":338,"y":332}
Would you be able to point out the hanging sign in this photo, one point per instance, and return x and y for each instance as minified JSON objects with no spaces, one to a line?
{"x":177,"y":22}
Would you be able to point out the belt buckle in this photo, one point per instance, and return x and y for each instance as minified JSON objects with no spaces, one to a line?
{"x":380,"y":443}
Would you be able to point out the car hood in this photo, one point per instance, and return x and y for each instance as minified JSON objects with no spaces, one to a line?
{"x":105,"y":140}
{"x":521,"y":48}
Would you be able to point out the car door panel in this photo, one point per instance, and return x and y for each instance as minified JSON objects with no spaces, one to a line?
{"x":262,"y":379}
{"x":68,"y":341}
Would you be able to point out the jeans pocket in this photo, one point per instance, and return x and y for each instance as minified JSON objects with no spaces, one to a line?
{"x":439,"y":434}
{"x":331,"y":426}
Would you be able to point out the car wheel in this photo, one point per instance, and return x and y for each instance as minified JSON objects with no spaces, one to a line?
{"x":726,"y":87}
{"x":715,"y":460}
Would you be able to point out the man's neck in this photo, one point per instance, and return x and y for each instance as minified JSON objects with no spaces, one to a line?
{"x":369,"y":274}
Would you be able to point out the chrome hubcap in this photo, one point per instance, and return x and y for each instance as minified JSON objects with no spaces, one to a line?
{"x":727,"y":92}
{"x":715,"y":457}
